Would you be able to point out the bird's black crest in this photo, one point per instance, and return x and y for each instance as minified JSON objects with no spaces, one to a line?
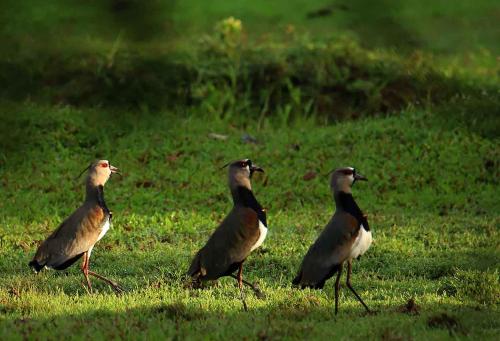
{"x":83,"y":171}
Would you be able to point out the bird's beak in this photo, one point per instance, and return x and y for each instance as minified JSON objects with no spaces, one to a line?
{"x":360,"y":177}
{"x":256,"y":169}
{"x":114,"y":170}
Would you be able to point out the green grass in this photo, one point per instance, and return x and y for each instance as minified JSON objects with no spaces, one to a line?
{"x":431,"y":199}
{"x":405,"y":92}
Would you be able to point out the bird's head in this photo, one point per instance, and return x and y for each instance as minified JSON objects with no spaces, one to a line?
{"x":343,"y":178}
{"x":99,"y":172}
{"x":240,"y":172}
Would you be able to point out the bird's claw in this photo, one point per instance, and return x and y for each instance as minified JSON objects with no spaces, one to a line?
{"x":370,"y":313}
{"x":258,"y":293}
{"x":117,"y":288}
{"x":87,"y":288}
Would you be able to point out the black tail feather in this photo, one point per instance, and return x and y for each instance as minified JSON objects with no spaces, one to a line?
{"x":297,"y":278}
{"x":302,"y":283}
{"x":35,"y":265}
{"x":67,"y":263}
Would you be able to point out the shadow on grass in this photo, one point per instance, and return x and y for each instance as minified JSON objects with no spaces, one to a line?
{"x":297,"y":316}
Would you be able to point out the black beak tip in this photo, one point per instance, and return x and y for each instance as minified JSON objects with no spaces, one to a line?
{"x":360,"y":177}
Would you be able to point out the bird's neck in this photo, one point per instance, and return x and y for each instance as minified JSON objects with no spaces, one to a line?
{"x":243,"y":196}
{"x":346,"y":203}
{"x":95,"y":195}
{"x":343,"y":200}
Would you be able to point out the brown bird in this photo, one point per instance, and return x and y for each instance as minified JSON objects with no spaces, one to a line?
{"x":242,"y":231}
{"x":78,"y":234}
{"x":345,"y":237}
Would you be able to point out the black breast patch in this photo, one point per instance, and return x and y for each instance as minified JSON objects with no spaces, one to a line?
{"x":348,"y":204}
{"x":101,"y":202}
{"x":248,"y":200}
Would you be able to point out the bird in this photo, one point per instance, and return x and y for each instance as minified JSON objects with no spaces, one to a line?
{"x":242,"y":231}
{"x":77,"y":235}
{"x":347,"y":236}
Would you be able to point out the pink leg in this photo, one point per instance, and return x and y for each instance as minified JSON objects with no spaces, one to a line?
{"x":85,"y":270}
{"x":240,"y":285}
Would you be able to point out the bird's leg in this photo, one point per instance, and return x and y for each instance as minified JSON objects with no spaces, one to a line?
{"x":348,"y":282}
{"x":254,"y":287}
{"x":337,"y":287}
{"x":240,"y":285}
{"x":85,"y":271}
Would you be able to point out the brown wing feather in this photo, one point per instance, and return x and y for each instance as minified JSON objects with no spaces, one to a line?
{"x":230,"y":244}
{"x":72,"y":238}
{"x":328,"y":251}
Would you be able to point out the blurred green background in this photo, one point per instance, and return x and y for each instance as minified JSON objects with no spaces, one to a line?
{"x":439,"y":26}
{"x":334,"y":59}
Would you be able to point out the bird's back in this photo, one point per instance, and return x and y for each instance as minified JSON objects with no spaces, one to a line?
{"x":229,"y":245}
{"x":76,"y":235}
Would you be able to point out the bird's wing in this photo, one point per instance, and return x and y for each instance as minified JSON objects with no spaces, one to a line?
{"x":229,"y":245}
{"x":328,"y":251}
{"x":72,"y":238}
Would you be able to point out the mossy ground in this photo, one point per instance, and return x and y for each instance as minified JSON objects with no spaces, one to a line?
{"x":431,"y":200}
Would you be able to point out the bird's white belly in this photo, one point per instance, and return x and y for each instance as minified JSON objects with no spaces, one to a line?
{"x":361,"y":244}
{"x":262,"y":236}
{"x":89,"y":252}
{"x":105,"y":228}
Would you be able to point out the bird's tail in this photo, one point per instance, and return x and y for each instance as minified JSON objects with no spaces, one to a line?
{"x":297,"y":278}
{"x":194,"y":269}
{"x":318,"y":283}
{"x":35,"y":265}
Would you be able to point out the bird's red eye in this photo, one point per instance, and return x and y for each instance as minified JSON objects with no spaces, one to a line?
{"x":347,"y":172}
{"x":243,"y":164}
{"x":104,"y":165}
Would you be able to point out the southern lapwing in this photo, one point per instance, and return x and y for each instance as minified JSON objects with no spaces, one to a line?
{"x":345,"y":237}
{"x":242,"y":231}
{"x":78,"y":234}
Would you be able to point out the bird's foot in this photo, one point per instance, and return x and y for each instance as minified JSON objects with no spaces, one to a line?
{"x":191,"y":284}
{"x":87,"y":289}
{"x":369,"y":313}
{"x":117,"y":288}
{"x":243,"y":300}
{"x":259,"y":293}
